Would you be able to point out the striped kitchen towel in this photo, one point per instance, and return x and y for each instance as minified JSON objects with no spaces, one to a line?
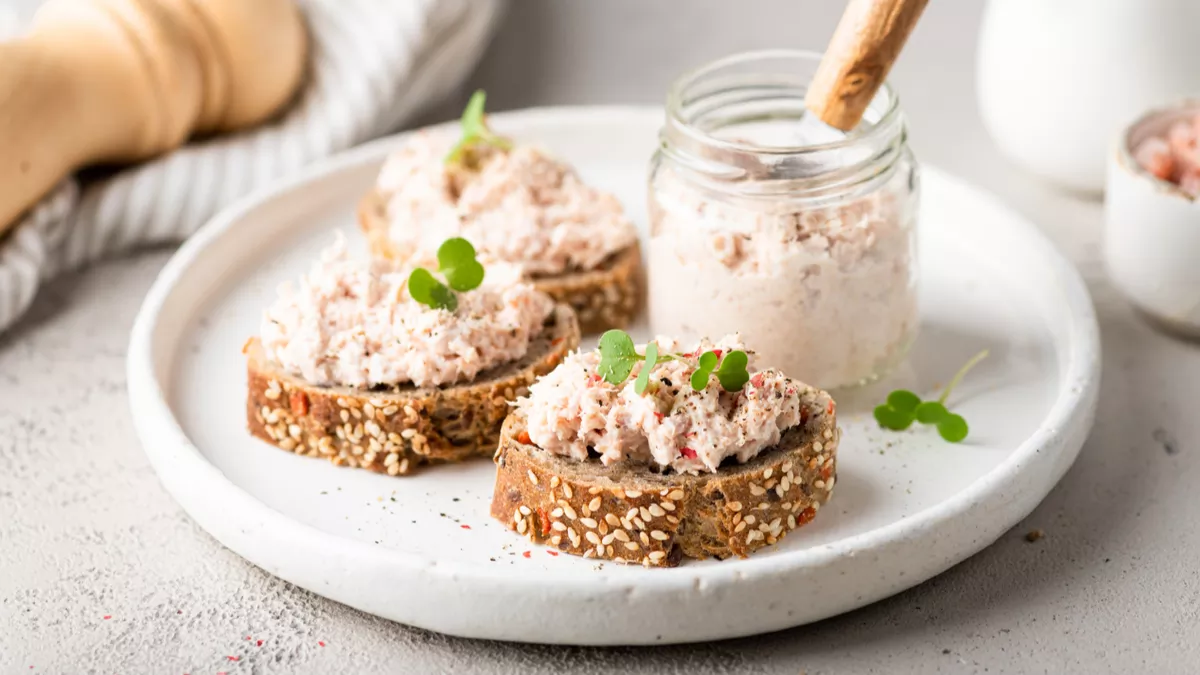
{"x":376,"y":63}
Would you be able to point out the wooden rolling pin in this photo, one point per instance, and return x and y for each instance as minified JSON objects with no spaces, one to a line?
{"x":117,"y":81}
{"x":866,"y":43}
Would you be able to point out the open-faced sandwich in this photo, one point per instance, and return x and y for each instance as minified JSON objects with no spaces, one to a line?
{"x":517,"y":205}
{"x":671,"y":452}
{"x":375,"y":366}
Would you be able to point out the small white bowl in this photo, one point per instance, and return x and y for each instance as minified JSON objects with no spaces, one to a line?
{"x":1152,"y":229}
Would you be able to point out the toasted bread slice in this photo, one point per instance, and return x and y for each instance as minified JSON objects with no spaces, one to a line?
{"x":631,"y":514}
{"x":395,"y":430}
{"x":603,"y":298}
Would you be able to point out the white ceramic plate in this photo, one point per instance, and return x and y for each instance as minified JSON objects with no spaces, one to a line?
{"x":907,"y":505}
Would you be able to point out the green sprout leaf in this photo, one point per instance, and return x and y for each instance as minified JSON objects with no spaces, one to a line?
{"x":429,"y":291}
{"x":904,"y":406}
{"x":456,"y":261}
{"x":732,"y":374}
{"x":475,"y":130}
{"x":903,"y":400}
{"x":891,"y":418}
{"x":617,"y":356}
{"x":953,"y":428}
{"x":931,"y":412}
{"x":704,"y":368}
{"x":643,"y":378}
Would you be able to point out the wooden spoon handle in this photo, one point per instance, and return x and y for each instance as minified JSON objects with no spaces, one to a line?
{"x":114,"y":81}
{"x":866,"y":43}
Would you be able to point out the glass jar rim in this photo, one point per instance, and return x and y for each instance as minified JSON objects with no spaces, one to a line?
{"x":678,"y":89}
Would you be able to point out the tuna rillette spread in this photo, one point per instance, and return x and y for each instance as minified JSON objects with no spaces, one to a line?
{"x":516,"y":205}
{"x":353,"y":323}
{"x":577,"y":413}
{"x":825,"y":293}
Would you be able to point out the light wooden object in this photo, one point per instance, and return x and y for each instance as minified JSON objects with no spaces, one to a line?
{"x":866,"y":43}
{"x":117,"y":81}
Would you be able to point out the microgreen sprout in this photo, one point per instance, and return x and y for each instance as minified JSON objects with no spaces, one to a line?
{"x":643,"y":378}
{"x":457,"y":264}
{"x":475,"y":130}
{"x":903,"y":407}
{"x":618,"y":356}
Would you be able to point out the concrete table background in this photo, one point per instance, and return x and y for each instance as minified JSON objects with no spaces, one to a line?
{"x":101,"y":572}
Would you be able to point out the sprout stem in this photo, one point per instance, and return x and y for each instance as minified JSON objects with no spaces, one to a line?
{"x":960,"y":374}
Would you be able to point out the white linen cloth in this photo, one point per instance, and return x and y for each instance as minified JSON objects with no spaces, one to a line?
{"x":375,"y":64}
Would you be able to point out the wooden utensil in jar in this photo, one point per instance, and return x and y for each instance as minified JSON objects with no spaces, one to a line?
{"x":116,"y":81}
{"x":866,"y":42}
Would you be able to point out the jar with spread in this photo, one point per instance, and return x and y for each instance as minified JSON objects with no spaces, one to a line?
{"x":768,"y":223}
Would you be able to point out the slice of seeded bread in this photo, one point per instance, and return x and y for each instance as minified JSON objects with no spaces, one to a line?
{"x":630,"y":514}
{"x":603,"y":298}
{"x":394,"y":430}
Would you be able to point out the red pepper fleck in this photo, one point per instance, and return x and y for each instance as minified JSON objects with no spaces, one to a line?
{"x":465,"y":527}
{"x":298,"y":402}
{"x":830,"y":408}
{"x":553,"y":553}
{"x":757,"y":380}
{"x":556,"y":341}
{"x":544,"y":520}
{"x":234,"y":658}
{"x":596,"y":377}
{"x":524,"y":439}
{"x":791,"y":390}
{"x":247,"y":637}
{"x":717,"y":352}
{"x":107,"y":617}
{"x":806,"y":516}
{"x":525,"y":554}
{"x":827,"y":471}
{"x":659,"y":416}
{"x":689,"y":453}
{"x":321,"y":643}
{"x":259,"y":643}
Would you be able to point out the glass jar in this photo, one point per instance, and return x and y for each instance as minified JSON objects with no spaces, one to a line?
{"x":769,"y":224}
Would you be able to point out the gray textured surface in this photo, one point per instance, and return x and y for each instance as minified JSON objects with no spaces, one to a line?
{"x":86,"y":532}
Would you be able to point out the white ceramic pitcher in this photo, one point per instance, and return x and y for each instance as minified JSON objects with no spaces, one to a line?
{"x":1058,"y":79}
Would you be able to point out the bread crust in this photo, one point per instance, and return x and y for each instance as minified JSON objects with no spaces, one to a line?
{"x":630,"y":514}
{"x":603,"y":298}
{"x":397,"y":430}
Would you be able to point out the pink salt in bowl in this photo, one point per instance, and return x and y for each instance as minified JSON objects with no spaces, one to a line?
{"x":1152,"y":216}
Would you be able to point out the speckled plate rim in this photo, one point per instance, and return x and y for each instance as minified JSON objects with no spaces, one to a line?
{"x":205,"y":493}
